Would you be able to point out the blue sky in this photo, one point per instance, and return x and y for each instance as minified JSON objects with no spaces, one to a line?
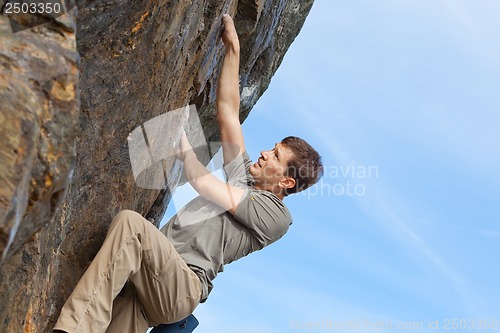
{"x":402,"y":99}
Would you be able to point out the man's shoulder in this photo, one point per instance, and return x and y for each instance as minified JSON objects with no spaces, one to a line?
{"x":270,"y":201}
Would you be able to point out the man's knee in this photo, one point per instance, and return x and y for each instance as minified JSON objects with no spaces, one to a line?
{"x":128,"y":214}
{"x":128,"y":219}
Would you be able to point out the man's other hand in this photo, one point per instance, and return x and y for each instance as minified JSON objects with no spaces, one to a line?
{"x":184,"y":147}
{"x":229,"y":35}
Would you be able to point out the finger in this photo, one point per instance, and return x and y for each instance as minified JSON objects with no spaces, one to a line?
{"x":227,"y":19}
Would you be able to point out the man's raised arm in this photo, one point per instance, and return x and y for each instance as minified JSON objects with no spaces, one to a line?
{"x":228,"y":94}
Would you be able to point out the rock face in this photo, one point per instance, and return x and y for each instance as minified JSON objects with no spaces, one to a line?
{"x":65,"y":165}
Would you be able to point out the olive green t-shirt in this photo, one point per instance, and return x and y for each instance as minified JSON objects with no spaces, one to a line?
{"x":207,"y":237}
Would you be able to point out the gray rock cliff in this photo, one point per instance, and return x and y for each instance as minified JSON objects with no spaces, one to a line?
{"x":72,"y":91}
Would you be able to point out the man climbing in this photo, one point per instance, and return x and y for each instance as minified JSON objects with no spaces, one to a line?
{"x":144,"y":277}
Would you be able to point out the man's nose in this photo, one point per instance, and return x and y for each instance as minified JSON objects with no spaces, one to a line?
{"x":264,"y":154}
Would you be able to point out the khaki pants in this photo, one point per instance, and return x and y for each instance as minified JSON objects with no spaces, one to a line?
{"x":159,"y":286}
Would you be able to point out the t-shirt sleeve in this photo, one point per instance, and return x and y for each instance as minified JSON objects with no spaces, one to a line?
{"x":236,"y":171}
{"x":264,"y":214}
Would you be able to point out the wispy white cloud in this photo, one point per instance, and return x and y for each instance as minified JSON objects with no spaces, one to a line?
{"x":378,"y":206}
{"x":425,"y":80}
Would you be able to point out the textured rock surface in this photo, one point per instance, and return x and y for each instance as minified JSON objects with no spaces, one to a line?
{"x":139,"y":59}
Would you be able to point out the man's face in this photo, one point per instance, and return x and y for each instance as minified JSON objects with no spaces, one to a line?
{"x":271,"y":167}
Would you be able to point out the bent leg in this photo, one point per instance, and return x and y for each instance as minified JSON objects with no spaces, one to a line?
{"x":89,"y":308}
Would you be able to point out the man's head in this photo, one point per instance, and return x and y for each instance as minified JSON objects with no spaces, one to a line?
{"x":290,"y":167}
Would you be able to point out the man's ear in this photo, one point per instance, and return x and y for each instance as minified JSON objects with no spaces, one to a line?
{"x":287,"y":182}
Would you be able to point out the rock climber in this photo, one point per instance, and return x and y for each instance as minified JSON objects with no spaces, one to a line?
{"x":143,"y":276}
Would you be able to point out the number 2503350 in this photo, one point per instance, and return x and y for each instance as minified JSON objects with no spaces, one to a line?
{"x":471,"y":324}
{"x":33,"y":8}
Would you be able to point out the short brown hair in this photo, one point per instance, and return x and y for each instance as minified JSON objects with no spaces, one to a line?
{"x":305,"y":166}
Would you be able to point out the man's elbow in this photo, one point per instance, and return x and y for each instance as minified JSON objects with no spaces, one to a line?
{"x":199,"y":184}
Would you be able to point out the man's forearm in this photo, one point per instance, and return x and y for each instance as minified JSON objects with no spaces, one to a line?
{"x":194,"y":170}
{"x":208,"y":186}
{"x":228,"y":91}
